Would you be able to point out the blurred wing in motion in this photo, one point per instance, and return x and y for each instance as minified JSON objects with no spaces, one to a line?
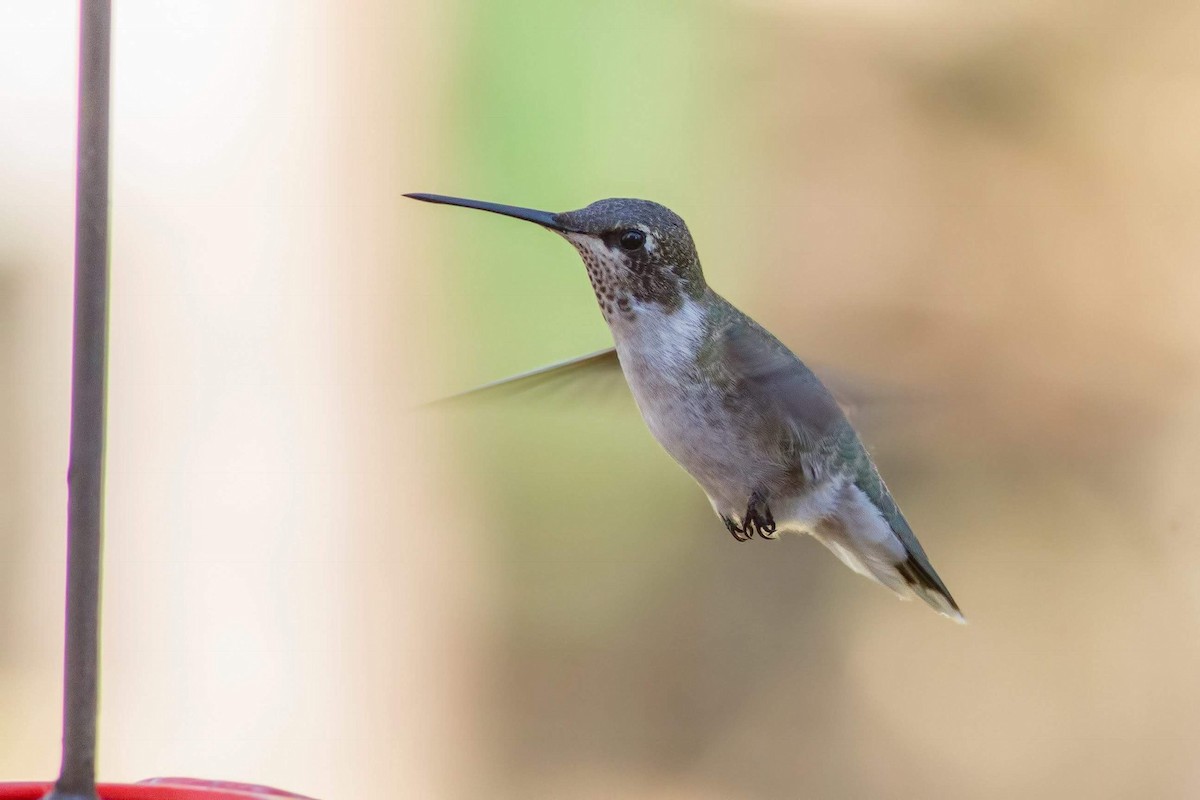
{"x":596,"y":375}
{"x":860,"y":397}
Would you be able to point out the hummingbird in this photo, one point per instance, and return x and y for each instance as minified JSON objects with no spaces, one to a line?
{"x":763,"y":437}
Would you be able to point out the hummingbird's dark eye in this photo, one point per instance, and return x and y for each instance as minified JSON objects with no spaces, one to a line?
{"x":632,"y":239}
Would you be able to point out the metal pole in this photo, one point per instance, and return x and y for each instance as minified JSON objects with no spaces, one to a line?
{"x":85,"y":474}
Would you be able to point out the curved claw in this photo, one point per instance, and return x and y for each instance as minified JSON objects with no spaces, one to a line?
{"x":736,"y":530}
{"x":759,"y":518}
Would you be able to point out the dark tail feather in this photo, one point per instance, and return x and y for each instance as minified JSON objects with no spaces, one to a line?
{"x":929,"y":587}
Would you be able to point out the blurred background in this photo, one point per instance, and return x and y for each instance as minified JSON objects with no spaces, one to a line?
{"x":985,"y":213}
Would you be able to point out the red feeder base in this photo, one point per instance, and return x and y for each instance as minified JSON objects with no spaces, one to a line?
{"x":159,"y":789}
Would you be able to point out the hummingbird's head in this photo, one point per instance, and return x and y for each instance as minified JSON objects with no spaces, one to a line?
{"x":637,"y":252}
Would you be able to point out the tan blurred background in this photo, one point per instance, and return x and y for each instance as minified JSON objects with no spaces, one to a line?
{"x":987,"y":212}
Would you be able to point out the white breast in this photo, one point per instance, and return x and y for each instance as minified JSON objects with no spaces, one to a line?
{"x":659,"y":341}
{"x":684,"y":413}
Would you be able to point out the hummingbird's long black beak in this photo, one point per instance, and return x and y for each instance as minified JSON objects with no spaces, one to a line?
{"x":543,"y":218}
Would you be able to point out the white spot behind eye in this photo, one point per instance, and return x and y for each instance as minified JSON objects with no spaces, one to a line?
{"x":651,"y":242}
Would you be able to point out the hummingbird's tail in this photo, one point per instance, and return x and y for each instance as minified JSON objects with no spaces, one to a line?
{"x":925,"y":584}
{"x":859,"y":535}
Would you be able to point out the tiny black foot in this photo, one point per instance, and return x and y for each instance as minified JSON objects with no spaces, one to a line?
{"x":758,"y":518}
{"x":737,"y":531}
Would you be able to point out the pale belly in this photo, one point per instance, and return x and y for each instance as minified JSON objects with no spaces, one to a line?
{"x":694,"y":428}
{"x":689,"y":419}
{"x":686,"y":414}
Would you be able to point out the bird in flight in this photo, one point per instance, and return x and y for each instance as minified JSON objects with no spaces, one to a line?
{"x":761,"y":434}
